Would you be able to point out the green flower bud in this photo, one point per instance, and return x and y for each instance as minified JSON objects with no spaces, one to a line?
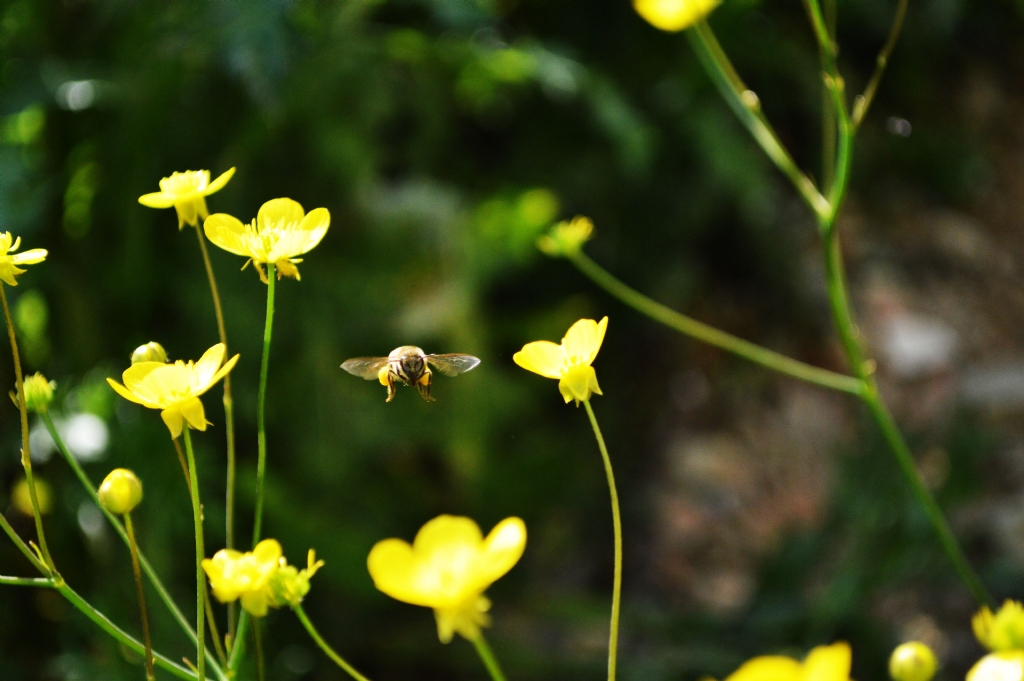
{"x":38,"y":393}
{"x":150,"y":352}
{"x":566,"y":238}
{"x":121,"y":491}
{"x":913,"y":661}
{"x":290,"y":585}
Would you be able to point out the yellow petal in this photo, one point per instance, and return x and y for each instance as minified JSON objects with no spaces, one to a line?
{"x":268,"y":551}
{"x":193,"y":412}
{"x":286,"y":269}
{"x":224,"y":370}
{"x":124,"y":392}
{"x":828,"y":663}
{"x":502,"y":550}
{"x":228,"y":232}
{"x":768,"y":668}
{"x":7,"y":273}
{"x":542,"y":357}
{"x":674,"y":15}
{"x":447,"y":531}
{"x":577,"y":383}
{"x":583,"y":340}
{"x":173,"y":420}
{"x":206,"y":367}
{"x":157,"y":200}
{"x":391,"y":565}
{"x":1007,"y":665}
{"x":219,"y":183}
{"x":256,"y":603}
{"x":30,"y":257}
{"x":279,"y":212}
{"x":189,"y":211}
{"x":314,"y":227}
{"x":136,"y":373}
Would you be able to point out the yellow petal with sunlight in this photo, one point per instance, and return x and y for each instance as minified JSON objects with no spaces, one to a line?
{"x":674,"y":15}
{"x":194,"y":413}
{"x":391,"y":564}
{"x":227,"y":232}
{"x":124,"y":392}
{"x":30,"y":257}
{"x":207,"y":365}
{"x":157,"y":200}
{"x":828,"y":663}
{"x":173,"y":420}
{"x":542,"y":357}
{"x":279,"y":212}
{"x":219,"y":183}
{"x":503,"y":548}
{"x":1007,"y":665}
{"x":768,"y":668}
{"x":583,"y":340}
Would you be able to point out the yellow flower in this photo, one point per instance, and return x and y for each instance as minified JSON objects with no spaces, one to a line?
{"x":38,"y":393}
{"x":674,"y":15}
{"x":121,"y":491}
{"x":1003,"y":630}
{"x":1006,"y":665}
{"x":281,"y":232}
{"x":448,"y":567}
{"x":824,"y":663}
{"x":235,"y":575}
{"x":187,"y":192}
{"x":175,"y":388}
{"x":9,"y":261}
{"x":913,"y":661}
{"x":290,"y":585}
{"x":566,"y":238}
{"x":569,"y":362}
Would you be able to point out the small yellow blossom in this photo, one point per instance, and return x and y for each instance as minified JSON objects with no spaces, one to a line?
{"x":149,"y":352}
{"x":566,"y":238}
{"x":38,"y":393}
{"x":187,"y":192}
{"x":674,"y":15}
{"x":21,"y":496}
{"x":1003,"y":630}
{"x":448,"y":567}
{"x":569,"y":362}
{"x":1006,"y":665}
{"x":9,"y":260}
{"x":175,"y":388}
{"x":913,"y":661}
{"x":281,"y":232}
{"x":247,"y":576}
{"x":290,"y":585}
{"x":824,"y":663}
{"x":121,"y":491}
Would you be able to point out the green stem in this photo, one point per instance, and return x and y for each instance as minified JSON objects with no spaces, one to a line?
{"x":338,"y":660}
{"x":134,"y":550}
{"x":197,"y":517}
{"x":484,"y":651}
{"x":23,"y":547}
{"x":613,"y":637}
{"x":238,"y":643}
{"x":26,"y":455}
{"x":44,"y":582}
{"x":261,"y":423}
{"x":257,"y":644}
{"x":147,"y":568}
{"x":747,"y":107}
{"x":862,"y":102}
{"x":712,"y":336}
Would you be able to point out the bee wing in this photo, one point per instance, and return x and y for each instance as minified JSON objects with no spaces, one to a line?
{"x":453,"y":364}
{"x":365,"y":367}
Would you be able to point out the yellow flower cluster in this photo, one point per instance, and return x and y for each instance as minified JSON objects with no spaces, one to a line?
{"x":1001,"y":632}
{"x":260,"y":578}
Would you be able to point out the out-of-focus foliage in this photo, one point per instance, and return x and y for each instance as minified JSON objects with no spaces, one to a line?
{"x":444,"y":136}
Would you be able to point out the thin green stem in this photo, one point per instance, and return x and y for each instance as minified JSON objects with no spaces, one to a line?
{"x":238,"y":643}
{"x":257,"y":644}
{"x":747,"y":107}
{"x":613,"y":636}
{"x":23,"y":547}
{"x":147,"y":568}
{"x":212,"y":621}
{"x":315,"y":635}
{"x":484,"y":651}
{"x":261,"y":422}
{"x":862,"y":103}
{"x":197,"y":517}
{"x":828,"y":122}
{"x":26,"y":454}
{"x":712,"y":336}
{"x":183,"y":463}
{"x":147,"y":640}
{"x":44,"y":582}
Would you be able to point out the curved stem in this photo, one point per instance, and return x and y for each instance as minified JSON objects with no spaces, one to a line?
{"x":863,"y":102}
{"x":147,"y":568}
{"x":315,"y":635}
{"x":261,"y":423}
{"x":712,"y":336}
{"x":197,"y":517}
{"x":484,"y":651}
{"x":26,"y":455}
{"x":134,"y":550}
{"x":613,"y":637}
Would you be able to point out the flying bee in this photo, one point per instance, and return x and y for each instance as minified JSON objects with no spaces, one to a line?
{"x":409,"y":365}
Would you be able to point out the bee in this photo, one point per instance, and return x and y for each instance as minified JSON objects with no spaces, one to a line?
{"x":409,"y":365}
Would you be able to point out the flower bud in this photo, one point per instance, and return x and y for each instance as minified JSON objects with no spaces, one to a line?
{"x":150,"y":352}
{"x":913,"y":661}
{"x":38,"y":393}
{"x":21,"y":496}
{"x":290,"y":585}
{"x":121,"y":491}
{"x":566,"y":238}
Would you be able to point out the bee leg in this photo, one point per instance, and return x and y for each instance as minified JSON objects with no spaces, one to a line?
{"x":391,"y":387}
{"x":423,"y":385}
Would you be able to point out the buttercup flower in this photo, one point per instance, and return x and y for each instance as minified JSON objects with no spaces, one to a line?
{"x":448,"y":567}
{"x":674,"y":15}
{"x":566,"y":238}
{"x":281,"y":232}
{"x":1003,"y":630}
{"x":121,"y":491}
{"x":289,"y":585}
{"x":913,"y":661}
{"x":187,"y":192}
{"x":9,"y":260}
{"x":824,"y":663}
{"x":175,"y":388}
{"x":234,"y":575}
{"x":1006,"y":665}
{"x":569,"y":362}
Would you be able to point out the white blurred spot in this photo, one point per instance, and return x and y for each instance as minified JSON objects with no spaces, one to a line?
{"x":898,"y":126}
{"x":997,"y":385}
{"x":917,"y":346}
{"x":91,"y":520}
{"x":76,"y":95}
{"x":85,"y":435}
{"x":296,"y":659}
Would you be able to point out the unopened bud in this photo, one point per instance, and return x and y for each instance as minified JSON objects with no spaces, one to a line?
{"x":38,"y":393}
{"x":121,"y":491}
{"x":913,"y":661}
{"x":150,"y":352}
{"x":566,"y":238}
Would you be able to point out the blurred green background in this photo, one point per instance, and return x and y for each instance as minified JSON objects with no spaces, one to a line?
{"x":443,"y":136}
